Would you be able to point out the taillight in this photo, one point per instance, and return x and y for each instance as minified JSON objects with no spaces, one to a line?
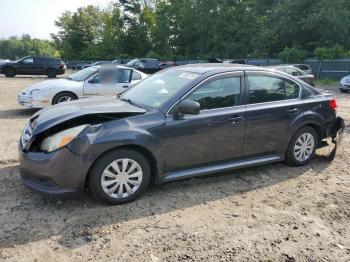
{"x":333,"y":104}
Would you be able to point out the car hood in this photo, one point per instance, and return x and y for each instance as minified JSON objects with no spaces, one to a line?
{"x":65,"y":83}
{"x":57,"y":114}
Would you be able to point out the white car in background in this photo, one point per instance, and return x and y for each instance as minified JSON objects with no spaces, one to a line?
{"x":344,"y":84}
{"x":88,"y":82}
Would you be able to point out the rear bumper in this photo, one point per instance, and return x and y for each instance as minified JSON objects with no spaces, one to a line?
{"x":338,"y":130}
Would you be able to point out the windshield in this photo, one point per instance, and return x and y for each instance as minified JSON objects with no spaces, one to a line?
{"x":82,"y":75}
{"x":157,"y":89}
{"x":131,"y":63}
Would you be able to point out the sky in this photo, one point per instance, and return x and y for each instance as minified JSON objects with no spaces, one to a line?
{"x":36,"y":17}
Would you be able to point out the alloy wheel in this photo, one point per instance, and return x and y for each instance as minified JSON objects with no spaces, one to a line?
{"x":64,"y":99}
{"x":121,"y":178}
{"x":304,"y":147}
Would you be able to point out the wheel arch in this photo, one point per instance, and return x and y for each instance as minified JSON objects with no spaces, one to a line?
{"x":313,"y":124}
{"x":143,"y":150}
{"x":8,"y":67}
{"x":63,"y":91}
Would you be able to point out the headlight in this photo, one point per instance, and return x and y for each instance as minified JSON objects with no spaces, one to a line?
{"x":35,"y":91}
{"x":61,"y":139}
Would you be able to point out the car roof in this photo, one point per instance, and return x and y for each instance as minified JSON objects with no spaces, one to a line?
{"x":117,"y":66}
{"x":207,"y":67}
{"x":279,"y":66}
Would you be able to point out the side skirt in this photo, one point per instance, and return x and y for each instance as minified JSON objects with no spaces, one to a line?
{"x":200,"y":171}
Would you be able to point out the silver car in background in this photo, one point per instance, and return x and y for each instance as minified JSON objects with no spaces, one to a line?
{"x":344,"y":84}
{"x":296,"y":72}
{"x":88,"y":82}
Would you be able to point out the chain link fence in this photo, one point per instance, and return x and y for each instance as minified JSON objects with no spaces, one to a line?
{"x":323,"y":69}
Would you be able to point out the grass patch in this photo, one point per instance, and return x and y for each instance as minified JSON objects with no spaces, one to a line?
{"x":326,"y":82}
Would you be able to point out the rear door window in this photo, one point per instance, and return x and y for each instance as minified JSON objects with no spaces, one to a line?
{"x":136,"y":76}
{"x":263,"y":89}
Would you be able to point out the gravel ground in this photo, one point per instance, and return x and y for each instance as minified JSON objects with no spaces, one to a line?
{"x":274,"y":212}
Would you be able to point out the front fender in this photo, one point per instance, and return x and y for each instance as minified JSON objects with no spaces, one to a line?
{"x":51,"y":92}
{"x":114,"y":134}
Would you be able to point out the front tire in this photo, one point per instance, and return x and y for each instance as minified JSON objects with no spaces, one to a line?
{"x":63,"y":97}
{"x":302,"y":147}
{"x":10,"y":72}
{"x":119,"y":176}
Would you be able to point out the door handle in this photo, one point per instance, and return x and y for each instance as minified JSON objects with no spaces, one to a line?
{"x":236,"y":119}
{"x":293,"y":110}
{"x":125,"y":86}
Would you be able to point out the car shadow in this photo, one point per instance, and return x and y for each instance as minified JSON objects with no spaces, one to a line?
{"x":20,"y":113}
{"x":44,"y":77}
{"x":28,"y":217}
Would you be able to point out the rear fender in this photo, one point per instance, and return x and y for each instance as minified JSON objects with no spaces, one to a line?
{"x":307,"y":118}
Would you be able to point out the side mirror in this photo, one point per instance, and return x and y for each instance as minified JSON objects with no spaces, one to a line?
{"x":189,"y":107}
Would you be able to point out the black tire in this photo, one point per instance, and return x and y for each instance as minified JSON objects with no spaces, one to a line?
{"x":343,"y":91}
{"x":60,"y":96}
{"x":51,"y":73}
{"x":104,"y":161}
{"x":9,"y":72}
{"x":291,"y":158}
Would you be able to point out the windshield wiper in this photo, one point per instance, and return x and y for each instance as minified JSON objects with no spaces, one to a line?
{"x":128,"y":100}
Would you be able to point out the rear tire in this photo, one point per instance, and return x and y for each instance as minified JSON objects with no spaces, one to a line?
{"x":10,"y":72}
{"x":302,"y":147}
{"x":51,"y":73}
{"x":63,"y":97}
{"x":343,"y":91}
{"x":119,"y":176}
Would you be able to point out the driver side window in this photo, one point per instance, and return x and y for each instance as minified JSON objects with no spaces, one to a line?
{"x":107,"y":77}
{"x":219,"y":93}
{"x":113,"y":76}
{"x":28,"y":61}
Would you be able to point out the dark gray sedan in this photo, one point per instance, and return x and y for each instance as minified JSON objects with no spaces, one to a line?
{"x":180,"y":123}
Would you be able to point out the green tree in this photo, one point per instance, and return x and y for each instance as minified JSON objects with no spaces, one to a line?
{"x":15,"y":48}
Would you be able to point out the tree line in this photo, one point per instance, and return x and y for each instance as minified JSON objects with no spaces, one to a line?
{"x":191,"y":29}
{"x":16,"y":47}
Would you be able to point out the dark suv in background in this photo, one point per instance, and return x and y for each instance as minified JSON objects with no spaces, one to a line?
{"x":145,"y":65}
{"x":33,"y":65}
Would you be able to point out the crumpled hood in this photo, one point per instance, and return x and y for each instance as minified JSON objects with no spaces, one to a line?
{"x":52,"y":84}
{"x":53,"y":115}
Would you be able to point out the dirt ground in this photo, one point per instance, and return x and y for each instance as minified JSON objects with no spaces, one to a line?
{"x":269,"y":213}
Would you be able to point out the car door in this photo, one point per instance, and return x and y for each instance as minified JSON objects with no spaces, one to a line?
{"x":216,"y":133}
{"x":272,"y":105}
{"x":108,"y":82}
{"x":26,"y":66}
